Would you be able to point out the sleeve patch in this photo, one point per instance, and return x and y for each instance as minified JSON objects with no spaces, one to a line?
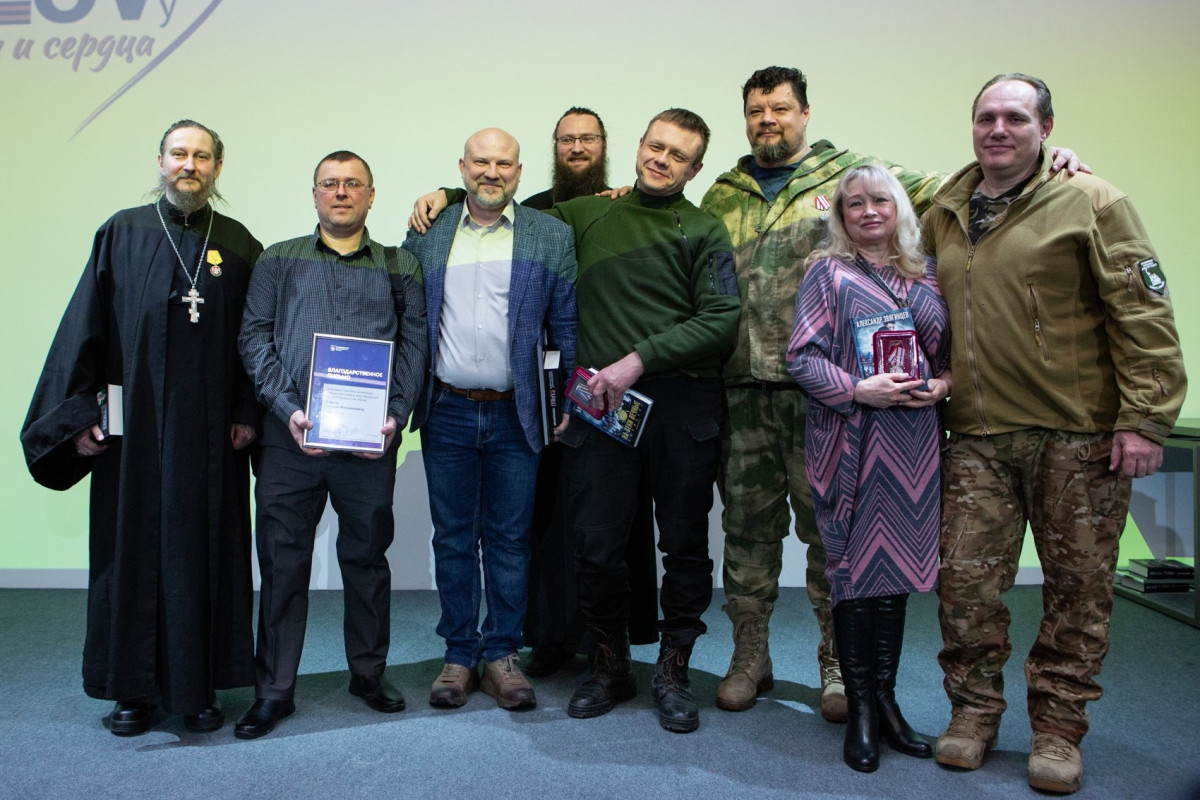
{"x":1152,"y":275}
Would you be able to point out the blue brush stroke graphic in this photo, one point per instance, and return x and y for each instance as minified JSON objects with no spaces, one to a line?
{"x":162,"y":56}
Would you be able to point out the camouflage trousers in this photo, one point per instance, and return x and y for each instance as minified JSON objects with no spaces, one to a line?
{"x":761,"y":472}
{"x":1060,"y":483}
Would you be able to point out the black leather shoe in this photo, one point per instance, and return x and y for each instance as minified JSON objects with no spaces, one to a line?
{"x":548,"y":659}
{"x":261,"y":718}
{"x":209,"y":720}
{"x":130,"y":718}
{"x":378,"y":692}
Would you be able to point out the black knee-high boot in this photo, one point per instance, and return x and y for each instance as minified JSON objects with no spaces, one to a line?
{"x":889,"y":635}
{"x":854,"y":632}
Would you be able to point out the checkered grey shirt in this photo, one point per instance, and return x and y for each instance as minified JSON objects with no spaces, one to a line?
{"x":301,"y":287}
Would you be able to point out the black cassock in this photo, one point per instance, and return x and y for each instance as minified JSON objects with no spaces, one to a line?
{"x":169,"y":588}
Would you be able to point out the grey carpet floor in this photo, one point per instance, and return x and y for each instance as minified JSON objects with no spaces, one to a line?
{"x":1144,"y":744}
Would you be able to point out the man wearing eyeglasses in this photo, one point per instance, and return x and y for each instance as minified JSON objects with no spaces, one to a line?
{"x":580,"y":159}
{"x":337,"y":281}
{"x":553,"y":625}
{"x":658,"y":309}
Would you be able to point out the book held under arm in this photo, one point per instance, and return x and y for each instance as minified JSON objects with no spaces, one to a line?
{"x":112,"y":410}
{"x":549,"y":383}
{"x":624,"y":423}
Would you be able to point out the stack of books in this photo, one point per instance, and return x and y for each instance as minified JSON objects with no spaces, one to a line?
{"x":1152,"y":575}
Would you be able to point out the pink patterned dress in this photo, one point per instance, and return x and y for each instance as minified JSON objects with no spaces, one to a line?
{"x":874,"y":472}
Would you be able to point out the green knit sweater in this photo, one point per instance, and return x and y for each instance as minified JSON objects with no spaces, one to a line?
{"x":656,"y":276}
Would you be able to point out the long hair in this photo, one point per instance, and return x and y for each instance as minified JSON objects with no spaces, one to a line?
{"x":905,"y":248}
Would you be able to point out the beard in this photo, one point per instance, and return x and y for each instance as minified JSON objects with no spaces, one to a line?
{"x":492,"y":202}
{"x":777,"y":152}
{"x":569,"y":184}
{"x":187,"y":202}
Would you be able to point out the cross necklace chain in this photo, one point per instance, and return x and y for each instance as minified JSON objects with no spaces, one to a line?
{"x":193,"y":297}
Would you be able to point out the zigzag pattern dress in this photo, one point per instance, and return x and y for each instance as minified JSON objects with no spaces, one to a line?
{"x":874,"y":472}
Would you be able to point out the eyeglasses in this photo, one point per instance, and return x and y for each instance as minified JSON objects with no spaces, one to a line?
{"x":587,"y":138}
{"x":354,"y":186}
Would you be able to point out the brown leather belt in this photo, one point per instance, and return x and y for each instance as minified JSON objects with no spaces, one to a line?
{"x":479,"y":395}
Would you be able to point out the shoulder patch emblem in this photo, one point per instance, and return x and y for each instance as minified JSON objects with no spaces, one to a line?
{"x":1152,"y":275}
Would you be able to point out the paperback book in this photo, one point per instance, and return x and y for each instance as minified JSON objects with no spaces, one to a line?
{"x":887,"y":342}
{"x":624,"y":423}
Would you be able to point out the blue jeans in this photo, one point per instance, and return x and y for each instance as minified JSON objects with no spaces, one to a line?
{"x":481,"y":474}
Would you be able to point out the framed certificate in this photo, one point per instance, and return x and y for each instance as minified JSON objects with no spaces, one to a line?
{"x":348,"y":387}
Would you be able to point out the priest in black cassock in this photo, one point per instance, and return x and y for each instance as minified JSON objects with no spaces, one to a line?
{"x":154,"y":323}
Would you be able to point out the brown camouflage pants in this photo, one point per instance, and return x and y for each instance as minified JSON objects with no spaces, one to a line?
{"x":1060,"y":484}
{"x":761,"y":471}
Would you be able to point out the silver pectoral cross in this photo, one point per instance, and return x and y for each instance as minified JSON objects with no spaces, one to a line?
{"x":193,"y":299}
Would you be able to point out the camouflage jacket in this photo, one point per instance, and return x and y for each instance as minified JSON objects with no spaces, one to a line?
{"x":771,"y":242}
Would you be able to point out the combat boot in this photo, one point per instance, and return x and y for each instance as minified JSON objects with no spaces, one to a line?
{"x":750,"y":669}
{"x":966,"y":739}
{"x":1055,"y":765}
{"x":677,"y":709}
{"x":833,"y":691}
{"x":612,"y":678}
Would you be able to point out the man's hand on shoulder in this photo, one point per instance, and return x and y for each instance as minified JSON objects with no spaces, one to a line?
{"x":1061,"y":157}
{"x":613,"y":194}
{"x":426,"y":210}
{"x":1135,"y":456}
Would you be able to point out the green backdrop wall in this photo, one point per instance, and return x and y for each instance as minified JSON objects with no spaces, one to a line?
{"x":86,"y":94}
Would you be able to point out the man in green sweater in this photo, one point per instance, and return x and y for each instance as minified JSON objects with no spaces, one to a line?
{"x":658,"y":311}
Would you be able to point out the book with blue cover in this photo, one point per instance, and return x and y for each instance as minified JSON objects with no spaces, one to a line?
{"x":624,"y":423}
{"x":886,"y":342}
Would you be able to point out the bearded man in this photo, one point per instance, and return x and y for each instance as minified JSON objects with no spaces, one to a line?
{"x":580,"y":159}
{"x":153,"y":327}
{"x":553,"y":625}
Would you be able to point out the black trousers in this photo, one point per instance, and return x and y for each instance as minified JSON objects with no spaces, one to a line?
{"x":290,"y":495}
{"x":553,"y":615}
{"x":677,"y":456}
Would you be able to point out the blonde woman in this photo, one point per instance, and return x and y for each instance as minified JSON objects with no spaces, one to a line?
{"x":872,"y":439}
